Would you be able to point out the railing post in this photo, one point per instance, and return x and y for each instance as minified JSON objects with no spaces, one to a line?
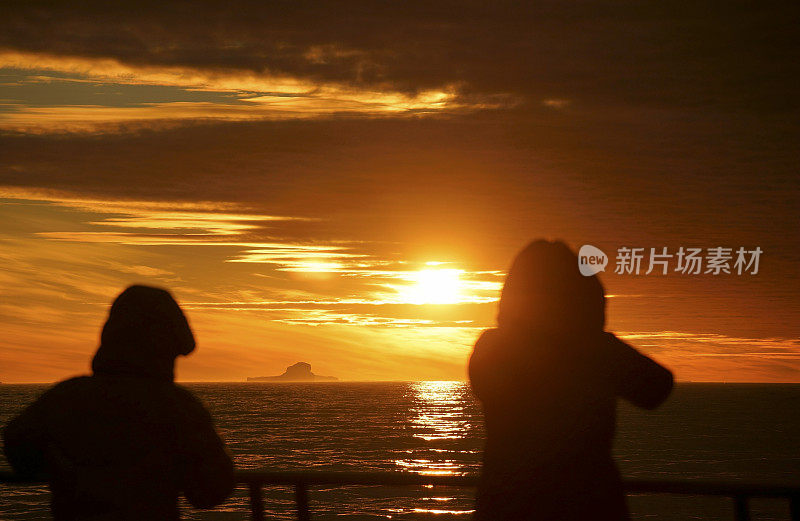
{"x":794,"y":507}
{"x":256,"y":503}
{"x":741,"y":508}
{"x":301,"y":497}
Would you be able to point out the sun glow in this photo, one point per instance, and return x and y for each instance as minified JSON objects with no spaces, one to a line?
{"x":434,"y":286}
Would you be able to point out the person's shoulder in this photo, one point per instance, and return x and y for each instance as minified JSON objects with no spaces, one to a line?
{"x":488,"y":337}
{"x":68,"y":385}
{"x":73,"y":382}
{"x":189,"y":402}
{"x":61,"y":392}
{"x":486,"y":344}
{"x":184,"y":394}
{"x":613,"y":345}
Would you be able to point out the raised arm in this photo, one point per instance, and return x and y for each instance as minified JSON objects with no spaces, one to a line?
{"x":636,"y":377}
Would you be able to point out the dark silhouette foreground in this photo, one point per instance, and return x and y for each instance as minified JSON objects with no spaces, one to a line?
{"x":123,"y":443}
{"x":548,"y":377}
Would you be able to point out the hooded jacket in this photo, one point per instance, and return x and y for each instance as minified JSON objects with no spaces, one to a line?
{"x":125,"y":442}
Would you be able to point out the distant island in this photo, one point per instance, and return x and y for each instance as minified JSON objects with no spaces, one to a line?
{"x":299,"y":372}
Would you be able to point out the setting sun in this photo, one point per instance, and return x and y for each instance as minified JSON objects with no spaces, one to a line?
{"x":435,"y":286}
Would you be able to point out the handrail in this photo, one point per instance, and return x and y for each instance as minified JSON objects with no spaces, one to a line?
{"x":302,"y":480}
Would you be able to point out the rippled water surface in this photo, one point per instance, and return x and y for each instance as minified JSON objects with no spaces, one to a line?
{"x":705,"y":431}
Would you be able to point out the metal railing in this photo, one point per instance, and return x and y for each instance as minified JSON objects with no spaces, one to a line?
{"x":301,"y":481}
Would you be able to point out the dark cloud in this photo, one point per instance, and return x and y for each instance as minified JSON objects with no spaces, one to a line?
{"x":490,"y":164}
{"x":730,"y":56}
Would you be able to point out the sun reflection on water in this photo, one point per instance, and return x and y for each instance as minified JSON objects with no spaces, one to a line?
{"x":439,"y":411}
{"x":429,"y":467}
{"x":439,"y":423}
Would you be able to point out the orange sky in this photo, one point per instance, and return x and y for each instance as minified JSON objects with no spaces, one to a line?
{"x":302,"y":180}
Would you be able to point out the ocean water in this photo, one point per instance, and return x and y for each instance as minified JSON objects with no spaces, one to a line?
{"x":744,"y":432}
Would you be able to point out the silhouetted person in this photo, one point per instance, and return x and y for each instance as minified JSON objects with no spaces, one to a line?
{"x":548,"y":377}
{"x":123,"y":443}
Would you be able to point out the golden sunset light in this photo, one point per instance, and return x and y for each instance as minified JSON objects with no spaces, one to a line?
{"x":441,"y":260}
{"x":328,"y":196}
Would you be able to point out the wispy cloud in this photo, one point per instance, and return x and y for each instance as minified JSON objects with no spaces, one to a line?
{"x":717,"y":357}
{"x":247,"y":96}
{"x":715,"y":344}
{"x":366,"y":277}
